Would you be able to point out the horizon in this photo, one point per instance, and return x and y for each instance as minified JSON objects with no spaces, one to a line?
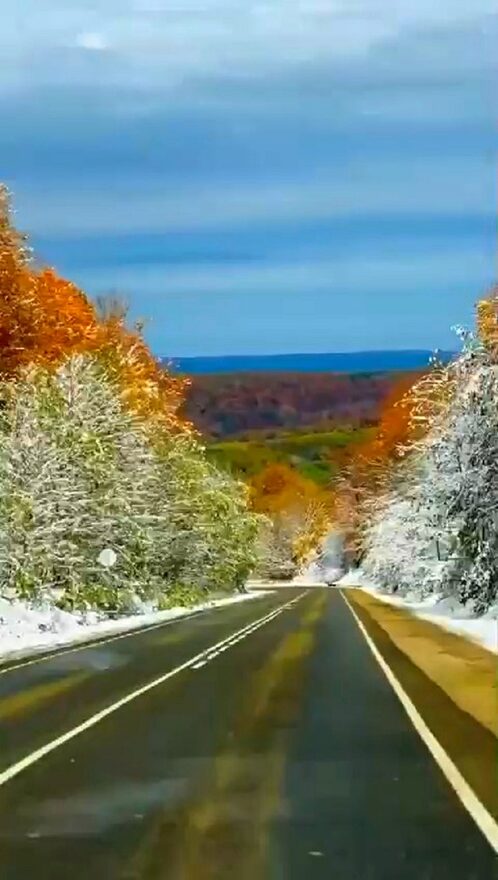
{"x":312,"y":353}
{"x":374,"y":361}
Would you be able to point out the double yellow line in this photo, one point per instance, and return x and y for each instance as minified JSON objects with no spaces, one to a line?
{"x":223,"y":833}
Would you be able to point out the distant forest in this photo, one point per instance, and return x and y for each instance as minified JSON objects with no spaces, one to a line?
{"x":255,"y":405}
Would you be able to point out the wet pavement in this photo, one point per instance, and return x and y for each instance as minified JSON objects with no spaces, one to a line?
{"x":261,"y":740}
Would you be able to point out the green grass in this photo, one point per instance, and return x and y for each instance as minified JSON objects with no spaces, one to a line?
{"x":312,"y":454}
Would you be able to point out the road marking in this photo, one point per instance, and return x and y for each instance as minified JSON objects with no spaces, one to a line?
{"x":51,"y":746}
{"x":234,"y":641}
{"x":96,"y":643}
{"x":27,"y":700}
{"x":483,"y":819}
{"x":205,"y":832}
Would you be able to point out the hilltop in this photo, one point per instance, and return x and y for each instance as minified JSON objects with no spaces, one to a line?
{"x":332,"y":362}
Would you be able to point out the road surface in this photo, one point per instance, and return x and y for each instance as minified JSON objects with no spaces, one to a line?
{"x":260,"y":740}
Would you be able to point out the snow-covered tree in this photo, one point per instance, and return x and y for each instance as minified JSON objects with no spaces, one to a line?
{"x":75,"y":473}
{"x":466,"y":456}
{"x":79,"y":473}
{"x":436,"y":530}
{"x":41,"y":495}
{"x":106,"y":495}
{"x":214,"y":533}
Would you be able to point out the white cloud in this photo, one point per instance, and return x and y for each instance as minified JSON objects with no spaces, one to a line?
{"x":331,"y":90}
{"x":178,"y":40}
{"x":92,"y":40}
{"x":391,"y":272}
{"x":439,"y":186}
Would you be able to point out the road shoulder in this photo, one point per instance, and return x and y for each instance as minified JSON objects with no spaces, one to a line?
{"x":452,"y":683}
{"x":38,"y":643}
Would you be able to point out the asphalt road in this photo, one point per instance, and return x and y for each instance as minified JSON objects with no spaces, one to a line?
{"x":261,"y":741}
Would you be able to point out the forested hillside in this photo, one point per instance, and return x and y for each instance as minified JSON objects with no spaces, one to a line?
{"x":296,"y":479}
{"x":246,"y":404}
{"x":317,"y":455}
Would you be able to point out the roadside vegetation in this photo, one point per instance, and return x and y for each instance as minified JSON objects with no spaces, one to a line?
{"x":111,"y":500}
{"x":419,"y":504}
{"x":298,"y":515}
{"x":107,"y":498}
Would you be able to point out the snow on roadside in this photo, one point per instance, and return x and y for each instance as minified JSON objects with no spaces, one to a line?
{"x":443,"y":611}
{"x":25,"y":630}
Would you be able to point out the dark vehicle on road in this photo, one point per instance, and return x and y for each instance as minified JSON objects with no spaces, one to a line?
{"x":283,"y":573}
{"x":332,"y":576}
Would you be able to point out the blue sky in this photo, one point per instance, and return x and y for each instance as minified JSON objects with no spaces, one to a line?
{"x":259,"y":175}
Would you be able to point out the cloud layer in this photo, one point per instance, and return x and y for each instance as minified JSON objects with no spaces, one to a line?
{"x":330,"y":149}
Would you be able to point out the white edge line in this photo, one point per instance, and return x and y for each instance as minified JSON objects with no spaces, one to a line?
{"x":483,"y":819}
{"x":96,"y":641}
{"x":40,"y":753}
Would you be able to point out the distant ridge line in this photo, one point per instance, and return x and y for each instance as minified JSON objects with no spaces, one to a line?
{"x":333,"y":362}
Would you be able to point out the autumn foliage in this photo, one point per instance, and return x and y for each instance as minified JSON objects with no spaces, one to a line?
{"x":95,"y":454}
{"x":366,"y":473}
{"x":44,"y":319}
{"x":298,"y":509}
{"x":393,"y":431}
{"x":254,"y":406}
{"x":487,"y":322}
{"x":147,"y":388}
{"x":408,"y":414}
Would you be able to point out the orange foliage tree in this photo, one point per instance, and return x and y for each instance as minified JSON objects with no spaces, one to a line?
{"x":297,"y":507}
{"x":370,"y":461}
{"x":408,"y":413}
{"x":368,"y":468}
{"x":487,"y":322}
{"x":147,"y":388}
{"x":45,"y":319}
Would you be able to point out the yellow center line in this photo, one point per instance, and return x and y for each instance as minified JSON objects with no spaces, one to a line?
{"x":30,"y":699}
{"x":223,"y":833}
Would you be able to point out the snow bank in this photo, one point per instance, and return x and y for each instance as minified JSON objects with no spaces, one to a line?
{"x":446,"y":612}
{"x":351,"y":579}
{"x":28,"y":630}
{"x":455,"y":617}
